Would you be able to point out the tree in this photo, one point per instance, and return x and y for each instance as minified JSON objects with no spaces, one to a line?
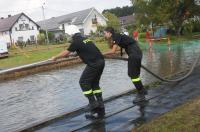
{"x":40,"y":38}
{"x":113,"y":21}
{"x":119,"y":12}
{"x":158,"y":12}
{"x":51,"y":35}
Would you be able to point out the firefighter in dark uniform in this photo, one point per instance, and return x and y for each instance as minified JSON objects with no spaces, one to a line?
{"x":134,"y":58}
{"x":89,"y":80}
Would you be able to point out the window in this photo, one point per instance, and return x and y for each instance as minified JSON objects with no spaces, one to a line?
{"x":20,"y":39}
{"x":94,"y":20}
{"x":27,"y":26}
{"x":21,"y":26}
{"x":15,"y":28}
{"x":32,"y":27}
{"x":32,"y":38}
{"x":24,"y":27}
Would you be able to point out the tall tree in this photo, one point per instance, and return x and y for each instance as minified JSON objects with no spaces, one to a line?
{"x":113,"y":21}
{"x":166,"y":11}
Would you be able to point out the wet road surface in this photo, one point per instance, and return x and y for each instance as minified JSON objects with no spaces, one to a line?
{"x":122,"y":115}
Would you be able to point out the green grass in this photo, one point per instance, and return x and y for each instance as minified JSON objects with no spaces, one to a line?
{"x":29,"y":54}
{"x":33,"y":53}
{"x":185,"y":118}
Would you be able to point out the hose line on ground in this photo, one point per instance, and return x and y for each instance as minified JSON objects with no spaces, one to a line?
{"x":157,"y":76}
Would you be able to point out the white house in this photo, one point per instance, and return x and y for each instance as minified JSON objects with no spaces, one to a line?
{"x":18,"y":28}
{"x":86,"y":20}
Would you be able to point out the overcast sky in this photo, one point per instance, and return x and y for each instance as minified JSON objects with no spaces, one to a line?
{"x":55,"y":8}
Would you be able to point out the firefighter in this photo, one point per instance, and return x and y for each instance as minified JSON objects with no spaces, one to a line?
{"x":89,"y":80}
{"x":134,"y":58}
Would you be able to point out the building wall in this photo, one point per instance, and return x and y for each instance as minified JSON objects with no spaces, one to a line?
{"x":5,"y":36}
{"x":25,"y":32}
{"x":88,"y":26}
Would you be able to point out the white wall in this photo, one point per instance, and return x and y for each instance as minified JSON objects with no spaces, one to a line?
{"x":26,"y":33}
{"x":5,"y":36}
{"x":88,"y":26}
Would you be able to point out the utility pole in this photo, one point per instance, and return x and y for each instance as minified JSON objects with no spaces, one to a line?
{"x":45,"y":24}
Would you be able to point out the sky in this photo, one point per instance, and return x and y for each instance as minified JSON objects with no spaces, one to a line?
{"x":53,"y":8}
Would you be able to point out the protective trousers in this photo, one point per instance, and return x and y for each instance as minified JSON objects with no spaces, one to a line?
{"x":134,"y":66}
{"x":89,"y":81}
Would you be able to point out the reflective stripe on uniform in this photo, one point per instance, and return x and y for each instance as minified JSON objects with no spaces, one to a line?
{"x":136,"y":79}
{"x":86,"y":41}
{"x":87,"y":92}
{"x":97,"y":91}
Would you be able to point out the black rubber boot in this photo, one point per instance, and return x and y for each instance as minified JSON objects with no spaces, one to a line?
{"x":140,"y":97}
{"x":101,"y":112}
{"x":92,"y":103}
{"x":143,"y":91}
{"x":92,"y":111}
{"x":100,"y":109}
{"x":91,"y":115}
{"x":97,"y":113}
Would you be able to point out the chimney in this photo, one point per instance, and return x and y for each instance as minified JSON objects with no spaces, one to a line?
{"x":9,"y":15}
{"x":2,"y":18}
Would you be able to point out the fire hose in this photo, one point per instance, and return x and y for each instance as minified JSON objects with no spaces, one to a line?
{"x":157,"y":76}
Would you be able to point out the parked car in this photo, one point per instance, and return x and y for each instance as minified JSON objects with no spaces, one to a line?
{"x":3,"y":49}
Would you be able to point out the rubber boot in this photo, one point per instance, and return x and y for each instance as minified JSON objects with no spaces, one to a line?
{"x":143,"y":91}
{"x":140,"y":97}
{"x":93,"y":104}
{"x":100,"y":109}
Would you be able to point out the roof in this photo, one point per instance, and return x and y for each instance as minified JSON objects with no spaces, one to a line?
{"x":7,"y":23}
{"x":75,"y":18}
{"x":127,"y":19}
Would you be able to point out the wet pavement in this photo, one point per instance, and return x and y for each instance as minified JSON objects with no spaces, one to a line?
{"x":122,"y":115}
{"x":34,"y":98}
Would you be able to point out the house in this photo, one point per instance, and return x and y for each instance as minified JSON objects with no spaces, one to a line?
{"x":18,"y":28}
{"x":86,"y":20}
{"x":126,"y":21}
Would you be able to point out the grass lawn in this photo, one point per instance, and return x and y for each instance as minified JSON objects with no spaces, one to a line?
{"x":185,"y":118}
{"x":35,"y":53}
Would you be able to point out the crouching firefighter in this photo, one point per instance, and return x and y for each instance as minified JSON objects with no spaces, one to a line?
{"x":134,"y":58}
{"x":89,"y":80}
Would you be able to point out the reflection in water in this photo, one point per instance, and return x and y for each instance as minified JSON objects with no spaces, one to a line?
{"x":170,"y":56}
{"x":141,"y":119}
{"x":98,"y":126}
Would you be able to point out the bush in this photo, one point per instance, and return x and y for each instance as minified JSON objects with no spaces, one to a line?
{"x":196,"y":26}
{"x":187,"y":28}
{"x":21,"y":44}
{"x":41,"y":38}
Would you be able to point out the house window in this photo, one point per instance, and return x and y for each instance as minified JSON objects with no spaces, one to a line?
{"x":32,"y":27}
{"x":15,"y":28}
{"x":27,"y":26}
{"x":32,"y":38}
{"x":21,"y":26}
{"x":94,"y":20}
{"x":20,"y":39}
